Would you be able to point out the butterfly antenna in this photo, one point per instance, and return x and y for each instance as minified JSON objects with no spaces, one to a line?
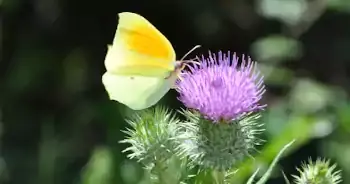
{"x":189,"y":52}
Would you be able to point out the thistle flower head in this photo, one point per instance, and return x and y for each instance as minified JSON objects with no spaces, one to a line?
{"x":151,"y":135}
{"x":220,"y":89}
{"x":319,"y":172}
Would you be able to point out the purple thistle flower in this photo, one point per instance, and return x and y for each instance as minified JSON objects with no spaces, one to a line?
{"x":220,"y":89}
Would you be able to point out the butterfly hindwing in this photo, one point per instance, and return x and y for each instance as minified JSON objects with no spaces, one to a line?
{"x":137,"y":92}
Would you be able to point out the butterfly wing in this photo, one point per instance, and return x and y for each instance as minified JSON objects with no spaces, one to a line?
{"x":139,"y":49}
{"x":136,"y":92}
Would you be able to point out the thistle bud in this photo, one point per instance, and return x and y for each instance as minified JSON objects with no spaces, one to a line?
{"x":151,"y":135}
{"x":318,"y":172}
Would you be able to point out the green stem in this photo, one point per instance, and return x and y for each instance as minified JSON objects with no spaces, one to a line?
{"x":219,"y":176}
{"x":47,"y":154}
{"x":164,"y":175}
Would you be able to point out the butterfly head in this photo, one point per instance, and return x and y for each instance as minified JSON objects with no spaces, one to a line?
{"x":181,"y":64}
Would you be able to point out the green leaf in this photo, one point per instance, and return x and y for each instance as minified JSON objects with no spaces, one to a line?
{"x":251,"y":179}
{"x":285,"y":178}
{"x":289,"y":12}
{"x":299,"y":128}
{"x":308,"y":96}
{"x":100,"y":167}
{"x":276,"y":48}
{"x":339,"y":5}
{"x":266,"y":176}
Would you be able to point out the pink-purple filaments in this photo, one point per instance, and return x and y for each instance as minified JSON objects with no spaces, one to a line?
{"x":220,"y":89}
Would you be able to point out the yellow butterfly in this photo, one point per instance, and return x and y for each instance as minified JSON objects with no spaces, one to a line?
{"x":141,"y":63}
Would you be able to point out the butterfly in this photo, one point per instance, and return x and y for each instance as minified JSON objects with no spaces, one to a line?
{"x":141,"y":64}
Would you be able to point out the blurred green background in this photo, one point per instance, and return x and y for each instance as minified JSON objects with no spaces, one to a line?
{"x":58,"y":126}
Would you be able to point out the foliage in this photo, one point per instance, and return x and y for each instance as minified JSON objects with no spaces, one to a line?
{"x":58,"y":126}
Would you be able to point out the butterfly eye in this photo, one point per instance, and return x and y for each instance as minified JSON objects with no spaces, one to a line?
{"x":180,"y":65}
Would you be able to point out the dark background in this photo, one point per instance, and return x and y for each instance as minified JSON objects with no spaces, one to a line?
{"x":56,"y":115}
